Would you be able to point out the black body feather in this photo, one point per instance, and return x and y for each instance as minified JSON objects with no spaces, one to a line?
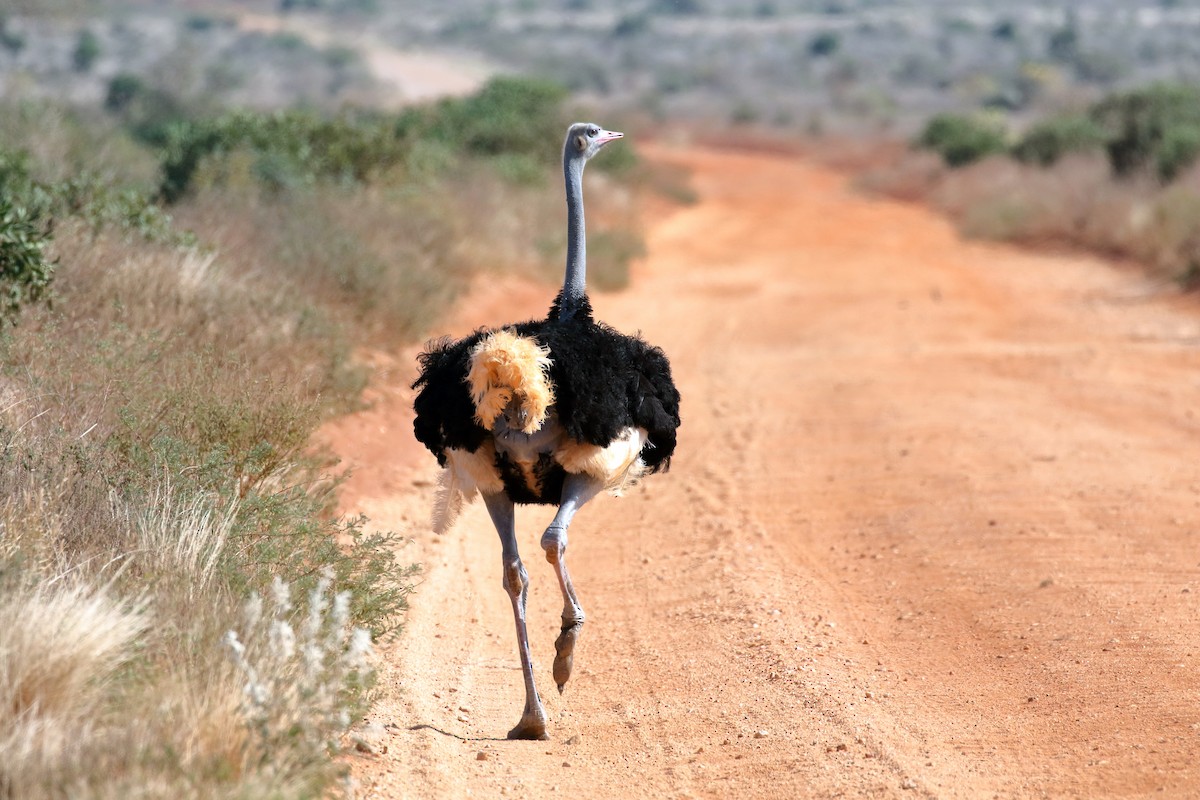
{"x":604,"y":382}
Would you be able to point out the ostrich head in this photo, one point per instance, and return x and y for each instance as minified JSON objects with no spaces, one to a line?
{"x":584,"y":140}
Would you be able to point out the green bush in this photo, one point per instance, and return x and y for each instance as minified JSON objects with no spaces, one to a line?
{"x":631,"y":25}
{"x":10,"y":40}
{"x":961,"y":140}
{"x":87,"y":50}
{"x":510,"y":116}
{"x":824,"y":44}
{"x":26,"y":230}
{"x":1155,"y":127}
{"x":148,"y":113}
{"x":30,"y":210}
{"x":26,"y":269}
{"x":290,"y":147}
{"x":1178,"y":150}
{"x":508,"y":119}
{"x":1048,"y":141}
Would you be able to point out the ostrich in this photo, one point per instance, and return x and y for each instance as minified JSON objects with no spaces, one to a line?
{"x":550,"y":411}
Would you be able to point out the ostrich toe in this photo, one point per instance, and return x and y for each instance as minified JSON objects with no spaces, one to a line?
{"x":564,"y":647}
{"x":531,"y":726}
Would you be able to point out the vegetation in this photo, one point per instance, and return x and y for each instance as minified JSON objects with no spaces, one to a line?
{"x":87,"y":50}
{"x":847,"y":66}
{"x":1157,"y":126}
{"x":507,"y":119}
{"x":1046,"y":142}
{"x":961,"y":140}
{"x":202,"y":611}
{"x":850,"y":66}
{"x":1120,"y":177}
{"x":29,"y":211}
{"x":25,"y":266}
{"x":156,"y":467}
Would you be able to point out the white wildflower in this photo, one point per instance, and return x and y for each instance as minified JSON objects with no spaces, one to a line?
{"x":314,"y":660}
{"x":283,"y":639}
{"x":282,"y":595}
{"x":341,"y":613}
{"x":258,"y":693}
{"x":358,"y":651}
{"x":252,"y":611}
{"x":317,"y":603}
{"x":236,"y":647}
{"x":296,"y":675}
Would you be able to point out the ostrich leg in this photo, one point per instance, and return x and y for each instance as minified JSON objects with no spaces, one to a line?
{"x":516,"y":583}
{"x":577,"y":490}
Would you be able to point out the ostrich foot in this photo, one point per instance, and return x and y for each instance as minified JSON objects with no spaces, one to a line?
{"x":564,"y":647}
{"x":531,"y":726}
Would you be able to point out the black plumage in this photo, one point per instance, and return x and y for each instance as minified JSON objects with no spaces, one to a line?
{"x":604,"y":382}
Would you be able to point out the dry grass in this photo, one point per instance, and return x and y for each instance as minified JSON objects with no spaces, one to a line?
{"x":133,"y":689}
{"x":154,"y":441}
{"x":1077,"y":202}
{"x":387,"y":258}
{"x":61,"y":645}
{"x":182,"y":537}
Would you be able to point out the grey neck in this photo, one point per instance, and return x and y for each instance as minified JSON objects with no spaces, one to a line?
{"x":575,"y":284}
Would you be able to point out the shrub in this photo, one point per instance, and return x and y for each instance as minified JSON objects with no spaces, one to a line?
{"x":962,"y":139}
{"x":510,"y":116}
{"x":1063,"y":44}
{"x":824,"y":44}
{"x":147,"y":112}
{"x":631,"y":25}
{"x":30,"y":211}
{"x":87,"y":50}
{"x":1152,"y":127}
{"x":10,"y":40}
{"x":1170,"y":238}
{"x":1048,"y":141}
{"x":303,"y":674}
{"x":295,"y":144}
{"x":1005,"y":30}
{"x":26,"y":268}
{"x":123,"y":89}
{"x":1178,"y":149}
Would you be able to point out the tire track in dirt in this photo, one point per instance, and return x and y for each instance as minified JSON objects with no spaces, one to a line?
{"x":932,"y":529}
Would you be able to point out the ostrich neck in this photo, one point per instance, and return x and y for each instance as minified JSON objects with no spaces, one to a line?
{"x":575,"y":284}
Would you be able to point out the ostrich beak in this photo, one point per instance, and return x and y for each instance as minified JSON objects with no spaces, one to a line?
{"x":604,"y":137}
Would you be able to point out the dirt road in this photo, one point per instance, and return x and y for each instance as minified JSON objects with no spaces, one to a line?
{"x":932,"y":529}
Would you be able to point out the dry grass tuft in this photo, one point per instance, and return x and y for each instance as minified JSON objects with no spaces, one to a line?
{"x":182,"y":537}
{"x":61,"y":645}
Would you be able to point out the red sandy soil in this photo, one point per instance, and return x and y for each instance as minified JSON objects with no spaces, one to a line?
{"x":931,"y":529}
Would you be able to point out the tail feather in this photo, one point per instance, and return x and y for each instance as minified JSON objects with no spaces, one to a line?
{"x":451,"y":497}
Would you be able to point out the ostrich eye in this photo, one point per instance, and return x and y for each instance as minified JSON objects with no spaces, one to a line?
{"x":592,"y":131}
